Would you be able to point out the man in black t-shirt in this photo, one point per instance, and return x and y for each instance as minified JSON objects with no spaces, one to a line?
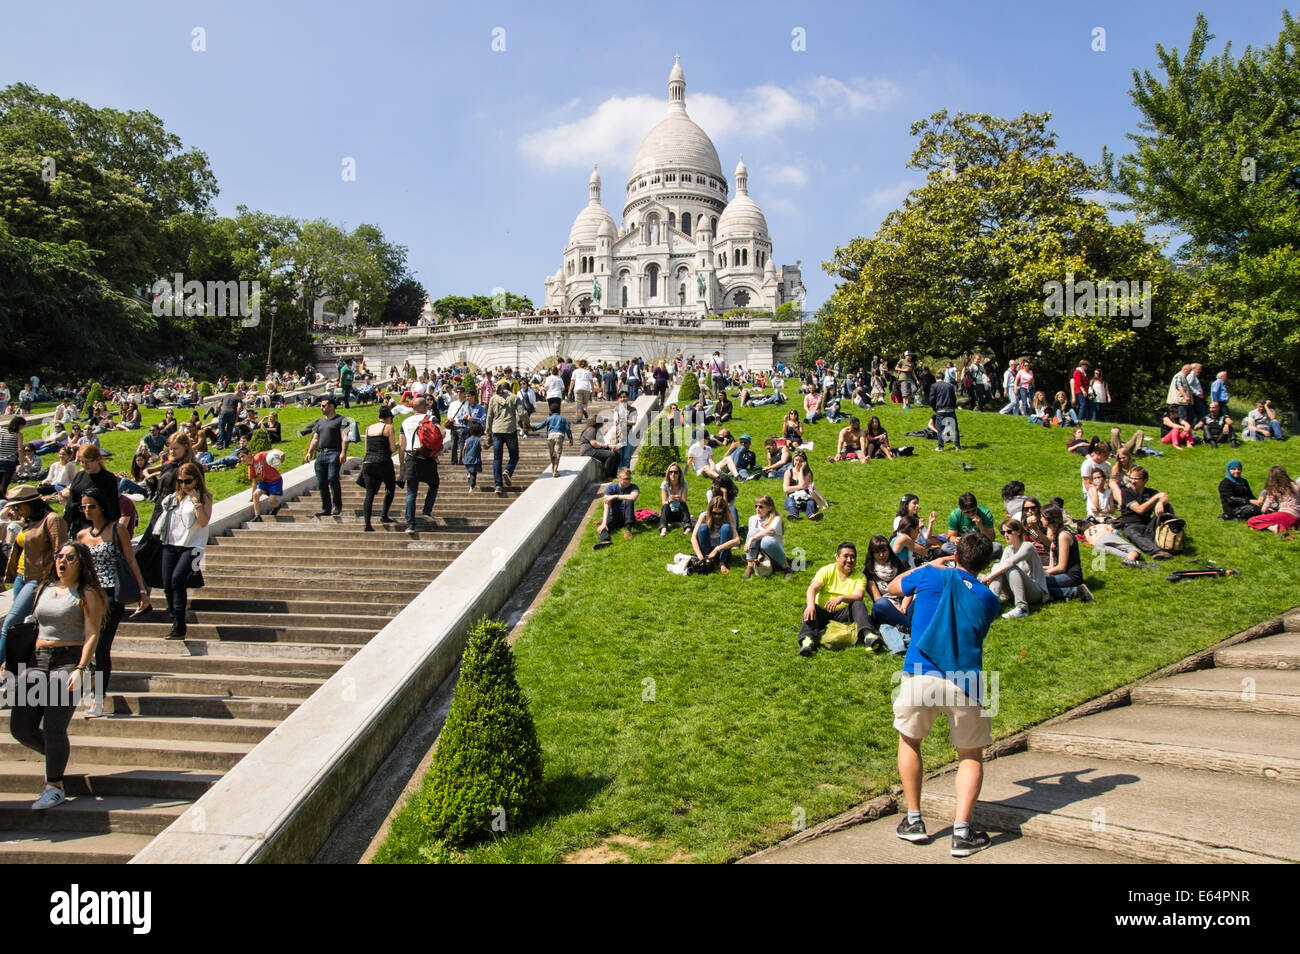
{"x":329,"y":441}
{"x":619,"y":505}
{"x":943,"y":398}
{"x":1140,"y":511}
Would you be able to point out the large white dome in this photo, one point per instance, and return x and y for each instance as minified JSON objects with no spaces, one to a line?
{"x":593,"y":220}
{"x":677,"y":141}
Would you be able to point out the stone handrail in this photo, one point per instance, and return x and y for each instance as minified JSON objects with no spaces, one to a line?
{"x":507,"y":322}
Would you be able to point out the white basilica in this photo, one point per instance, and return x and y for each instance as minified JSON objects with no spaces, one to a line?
{"x":683,"y":247}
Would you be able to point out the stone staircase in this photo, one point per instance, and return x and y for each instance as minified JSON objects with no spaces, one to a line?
{"x":287,"y":602}
{"x":1202,"y":767}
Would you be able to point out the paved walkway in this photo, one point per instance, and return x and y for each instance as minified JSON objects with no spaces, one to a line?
{"x":1202,"y":767}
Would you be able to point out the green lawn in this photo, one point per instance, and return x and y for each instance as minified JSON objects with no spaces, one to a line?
{"x":225,"y":483}
{"x":742,"y":733}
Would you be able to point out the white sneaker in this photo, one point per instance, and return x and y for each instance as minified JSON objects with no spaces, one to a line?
{"x":53,"y":795}
{"x":1016,"y":613}
{"x":96,"y":708}
{"x":663,"y":531}
{"x":1083,"y":594}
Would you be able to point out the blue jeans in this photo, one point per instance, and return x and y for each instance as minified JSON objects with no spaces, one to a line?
{"x":633,"y":389}
{"x":707,"y":543}
{"x":176,"y":565}
{"x":769,"y":545}
{"x":24,"y":597}
{"x":1059,"y":586}
{"x":809,"y":506}
{"x":226,"y":427}
{"x":1024,"y":403}
{"x":510,"y":442}
{"x":327,"y":480}
{"x":939,"y":418}
{"x":883,"y":612}
{"x":125,"y":486}
{"x":413,"y":489}
{"x":1083,"y":407}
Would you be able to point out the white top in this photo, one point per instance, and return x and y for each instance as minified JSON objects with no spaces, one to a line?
{"x":756,"y":524}
{"x":699,"y":456}
{"x":1088,"y":468}
{"x":409,"y":427}
{"x":183,"y":528}
{"x":581,"y":379}
{"x":62,"y":473}
{"x":554,"y":385}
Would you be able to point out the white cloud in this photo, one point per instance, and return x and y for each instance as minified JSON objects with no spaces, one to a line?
{"x":888,"y":197}
{"x":786,"y":175}
{"x":614,"y":129}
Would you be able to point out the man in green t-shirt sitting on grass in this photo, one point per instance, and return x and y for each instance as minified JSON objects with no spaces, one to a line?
{"x":971,"y":517}
{"x":835,"y":595}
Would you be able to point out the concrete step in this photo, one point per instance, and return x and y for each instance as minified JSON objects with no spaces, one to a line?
{"x":141,"y":728}
{"x":334,"y":620}
{"x":292,"y":534}
{"x":877,"y":843}
{"x":330,"y":573}
{"x":231,"y":587}
{"x":413,"y":555}
{"x":132,"y":814}
{"x":193,"y":647}
{"x":206,"y":756}
{"x":1271,"y":652}
{"x":1150,"y":812}
{"x":266,"y":633}
{"x":1216,"y":740}
{"x":216,"y":684}
{"x":363,"y":544}
{"x":1245,"y":690}
{"x":1291,"y":623}
{"x":276,"y":673}
{"x":89,"y":779}
{"x":196,"y":704}
{"x":267,"y":606}
{"x":64,"y":847}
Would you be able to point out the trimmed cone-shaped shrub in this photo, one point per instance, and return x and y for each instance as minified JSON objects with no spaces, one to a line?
{"x":690,"y":389}
{"x":658,"y":451}
{"x":486,"y":775}
{"x":260,"y":441}
{"x":205,"y":389}
{"x":96,"y":394}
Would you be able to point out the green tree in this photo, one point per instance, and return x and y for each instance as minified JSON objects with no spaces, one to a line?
{"x":405,"y":302}
{"x":1218,"y":159}
{"x":964,"y":266}
{"x":486,"y":773}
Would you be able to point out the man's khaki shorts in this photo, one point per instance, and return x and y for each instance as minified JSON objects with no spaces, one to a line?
{"x":919,"y":701}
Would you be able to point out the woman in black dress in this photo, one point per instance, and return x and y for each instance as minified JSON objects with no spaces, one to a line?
{"x":377,"y":465}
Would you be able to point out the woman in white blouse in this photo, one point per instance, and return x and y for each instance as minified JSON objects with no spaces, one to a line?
{"x":183,"y":531}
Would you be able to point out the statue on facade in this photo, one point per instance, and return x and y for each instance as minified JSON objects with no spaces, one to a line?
{"x":699,"y":285}
{"x":595,"y":291}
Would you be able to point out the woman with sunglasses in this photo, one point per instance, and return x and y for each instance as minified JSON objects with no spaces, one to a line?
{"x":1019,"y":575}
{"x":184,"y":535}
{"x":793,"y":428}
{"x":883,"y":565}
{"x":798,"y":487}
{"x":715,"y":525}
{"x":40,"y":533}
{"x":1064,"y":569}
{"x":672,"y":495}
{"x":69,"y":613}
{"x":1036,"y":532}
{"x":766,"y":532}
{"x":109,"y":545}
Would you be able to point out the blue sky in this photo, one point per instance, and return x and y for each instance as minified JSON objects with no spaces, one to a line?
{"x":477,"y":159}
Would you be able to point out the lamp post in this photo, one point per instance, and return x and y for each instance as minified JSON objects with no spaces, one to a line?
{"x":270,"y":341}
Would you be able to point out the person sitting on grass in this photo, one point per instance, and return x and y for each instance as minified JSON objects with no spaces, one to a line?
{"x":722,"y":408}
{"x":910,"y":504}
{"x":778,"y":458}
{"x":1063,"y":414}
{"x":715,"y":535}
{"x":798,"y":488}
{"x":849,"y":446}
{"x":740,"y":462}
{"x":1064,"y":570}
{"x":1235,"y":496}
{"x":1102,"y":505}
{"x":907,"y":545}
{"x":836,"y":594}
{"x":725,"y":487}
{"x":1103,"y":538}
{"x":792,"y":429}
{"x":618,"y":508}
{"x":1174,"y":430}
{"x":882,"y":566}
{"x":812,"y":405}
{"x":766,"y":531}
{"x":1019,"y":575}
{"x":1216,"y":427}
{"x":1280,"y":506}
{"x":970,"y":517}
{"x":1141,"y":508}
{"x":1078,"y":444}
{"x":700,"y":456}
{"x":1262,"y":423}
{"x":672,"y":494}
{"x":1131,"y":447}
{"x":877,"y":440}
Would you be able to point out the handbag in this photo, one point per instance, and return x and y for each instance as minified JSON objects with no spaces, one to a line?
{"x":148,"y":552}
{"x":20,"y":644}
{"x":1170,"y":532}
{"x":839,"y":635}
{"x":128,"y":590}
{"x":195,"y":580}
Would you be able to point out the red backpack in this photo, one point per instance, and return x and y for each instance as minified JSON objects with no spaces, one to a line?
{"x":429,"y":436}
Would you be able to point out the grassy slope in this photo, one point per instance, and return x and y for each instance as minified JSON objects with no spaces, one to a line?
{"x":742,"y":732}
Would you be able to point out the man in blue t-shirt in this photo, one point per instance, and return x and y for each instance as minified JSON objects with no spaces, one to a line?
{"x":942,"y":673}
